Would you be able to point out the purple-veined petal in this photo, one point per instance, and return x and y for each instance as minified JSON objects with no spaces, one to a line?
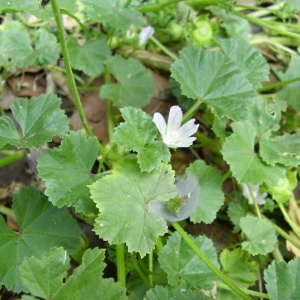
{"x":160,"y":123}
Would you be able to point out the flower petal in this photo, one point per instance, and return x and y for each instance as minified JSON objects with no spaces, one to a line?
{"x":175,"y":118}
{"x":145,"y":35}
{"x":182,"y":143}
{"x":188,"y":128}
{"x":160,"y":123}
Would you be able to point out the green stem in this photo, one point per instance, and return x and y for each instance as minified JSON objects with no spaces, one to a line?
{"x":283,"y":233}
{"x":226,"y":175}
{"x":163,"y":48}
{"x":150,"y":266}
{"x":265,"y":25}
{"x":65,"y":53}
{"x":209,"y":264}
{"x":121,"y":272}
{"x":277,"y":254}
{"x":11,"y":157}
{"x":109,"y":107}
{"x":249,"y":292}
{"x":277,"y":84}
{"x":7,"y":211}
{"x":288,"y":219}
{"x":191,"y":112}
{"x":159,"y":245}
{"x":140,"y":272}
{"x":86,"y":32}
{"x":156,"y":7}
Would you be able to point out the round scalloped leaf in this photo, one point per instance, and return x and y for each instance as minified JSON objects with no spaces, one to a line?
{"x":38,"y":220}
{"x":40,"y":119}
{"x":245,"y":164}
{"x":227,"y":91}
{"x":67,"y":172}
{"x":238,"y":265}
{"x":167,"y":292}
{"x":283,"y":280}
{"x":261,"y":235}
{"x":184,"y":267}
{"x":122,"y":199}
{"x":211,"y":196}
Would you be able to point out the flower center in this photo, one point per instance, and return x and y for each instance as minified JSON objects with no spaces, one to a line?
{"x":175,"y":134}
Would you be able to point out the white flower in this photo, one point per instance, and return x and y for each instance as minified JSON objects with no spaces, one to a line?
{"x":145,"y":35}
{"x":173,"y":134}
{"x":250,"y":191}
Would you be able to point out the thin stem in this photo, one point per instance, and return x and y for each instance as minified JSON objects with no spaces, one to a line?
{"x":7,"y":211}
{"x":209,"y":264}
{"x":277,"y":84}
{"x":65,"y":53}
{"x":192,"y":111}
{"x":249,"y":292}
{"x":140,"y":272}
{"x":163,"y":48}
{"x":159,"y":245}
{"x":226,"y":175}
{"x":265,"y":24}
{"x":11,"y":157}
{"x":277,"y":254}
{"x":150,"y":266}
{"x":156,"y":7}
{"x":121,"y":272}
{"x":254,"y":200}
{"x":283,"y":233}
{"x":86,"y":32}
{"x":109,"y":108}
{"x":288,"y":219}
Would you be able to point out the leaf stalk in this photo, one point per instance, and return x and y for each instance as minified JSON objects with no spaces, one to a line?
{"x":209,"y":264}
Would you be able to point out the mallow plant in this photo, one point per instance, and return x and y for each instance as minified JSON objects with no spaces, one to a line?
{"x":243,"y":136}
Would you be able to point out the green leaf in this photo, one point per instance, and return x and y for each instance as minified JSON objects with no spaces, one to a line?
{"x":245,"y":164}
{"x":249,"y":60}
{"x":39,"y":118}
{"x":211,"y":195}
{"x":88,"y":58}
{"x":294,"y":4}
{"x":184,"y":267}
{"x":41,"y":227}
{"x":166,"y":292}
{"x":265,"y":117}
{"x":260,"y":234}
{"x":237,"y":265}
{"x":283,"y":280}
{"x":43,"y":276}
{"x":283,"y":149}
{"x":67,"y":172}
{"x":87,"y":283}
{"x":291,"y":92}
{"x":18,"y":5}
{"x":227,"y":91}
{"x":47,"y":48}
{"x":113,"y":12}
{"x":235,"y":26}
{"x":138,"y":133}
{"x":237,"y":210}
{"x":16,"y":44}
{"x":135,"y":85}
{"x":122,"y":200}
